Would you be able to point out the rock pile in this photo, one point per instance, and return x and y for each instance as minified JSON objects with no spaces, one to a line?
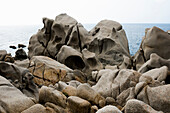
{"x":72,"y":70}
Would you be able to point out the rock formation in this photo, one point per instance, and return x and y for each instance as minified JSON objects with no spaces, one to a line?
{"x":72,"y":70}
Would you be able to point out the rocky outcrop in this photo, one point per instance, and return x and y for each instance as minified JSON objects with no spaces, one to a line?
{"x":155,"y":41}
{"x":155,"y":61}
{"x":20,"y":77}
{"x":47,"y":71}
{"x":86,"y":72}
{"x":64,"y":39}
{"x":113,"y":82}
{"x":12,"y":100}
{"x":152,"y":44}
{"x":156,"y":97}
{"x":109,"y":42}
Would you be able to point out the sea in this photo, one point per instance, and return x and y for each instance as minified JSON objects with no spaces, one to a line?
{"x":14,"y":35}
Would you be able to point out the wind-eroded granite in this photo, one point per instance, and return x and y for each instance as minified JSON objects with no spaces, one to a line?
{"x":72,"y":70}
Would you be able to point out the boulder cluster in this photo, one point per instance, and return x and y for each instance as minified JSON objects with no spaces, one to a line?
{"x":71,"y":70}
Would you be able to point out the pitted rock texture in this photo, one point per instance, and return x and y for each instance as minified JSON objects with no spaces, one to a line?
{"x":106,"y":43}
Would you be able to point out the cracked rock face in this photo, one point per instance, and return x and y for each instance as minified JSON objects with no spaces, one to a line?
{"x":155,"y":41}
{"x":47,"y":71}
{"x":12,"y":100}
{"x":157,"y":97}
{"x":107,"y":41}
{"x":152,"y":44}
{"x":20,"y":77}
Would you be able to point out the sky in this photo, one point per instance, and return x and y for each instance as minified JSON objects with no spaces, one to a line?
{"x":31,"y":12}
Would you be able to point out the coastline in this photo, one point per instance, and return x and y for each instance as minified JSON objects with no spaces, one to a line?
{"x":71,"y":69}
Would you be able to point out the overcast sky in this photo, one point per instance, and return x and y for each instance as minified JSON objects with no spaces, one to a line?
{"x":30,"y":12}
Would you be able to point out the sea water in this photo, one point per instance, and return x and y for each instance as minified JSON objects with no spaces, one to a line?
{"x":14,"y":35}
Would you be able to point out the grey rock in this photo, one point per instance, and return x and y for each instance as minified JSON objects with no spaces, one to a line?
{"x":109,"y":109}
{"x":86,"y":92}
{"x":71,"y":58}
{"x":137,"y":106}
{"x":47,"y":94}
{"x":159,"y":74}
{"x":155,"y":61}
{"x":3,"y":53}
{"x":12,"y":99}
{"x":37,"y":108}
{"x":109,"y":42}
{"x":20,"y":78}
{"x":155,"y":41}
{"x":105,"y":85}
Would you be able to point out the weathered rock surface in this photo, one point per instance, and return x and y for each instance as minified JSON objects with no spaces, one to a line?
{"x":55,"y":107}
{"x":20,"y":77}
{"x":64,"y":39}
{"x":157,"y":97}
{"x":12,"y":100}
{"x":86,"y":92}
{"x":113,"y":82}
{"x":22,"y":63}
{"x":47,"y":71}
{"x":71,"y":58}
{"x":105,"y":85}
{"x":78,"y":105}
{"x":109,"y":109}
{"x":70,"y":91}
{"x":155,"y":61}
{"x":109,"y":42}
{"x":48,"y":94}
{"x":3,"y":53}
{"x":152,"y":44}
{"x":37,"y":108}
{"x":159,"y":74}
{"x":136,"y":106}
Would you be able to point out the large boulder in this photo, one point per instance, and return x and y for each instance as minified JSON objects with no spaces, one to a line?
{"x":137,"y":106}
{"x":48,"y":94}
{"x":20,"y":78}
{"x":39,"y":41}
{"x":109,"y":42}
{"x":47,"y":71}
{"x":155,"y":61}
{"x":157,"y":97}
{"x":159,"y":74}
{"x":105,"y":85}
{"x":86,"y":92}
{"x":64,"y":30}
{"x":12,"y":100}
{"x":156,"y":41}
{"x":113,"y":82}
{"x":106,"y":42}
{"x":78,"y":105}
{"x":71,"y":58}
